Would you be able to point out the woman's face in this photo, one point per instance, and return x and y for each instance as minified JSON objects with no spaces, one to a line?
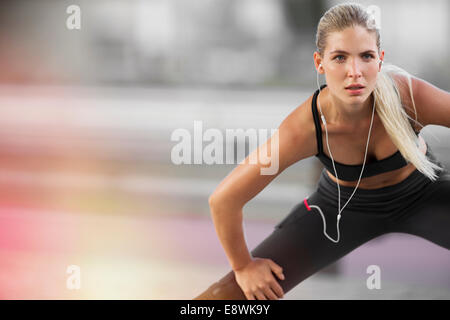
{"x":351,"y":57}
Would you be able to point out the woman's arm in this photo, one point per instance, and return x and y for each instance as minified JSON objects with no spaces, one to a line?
{"x":432,"y":103}
{"x":296,"y":141}
{"x":246,"y":181}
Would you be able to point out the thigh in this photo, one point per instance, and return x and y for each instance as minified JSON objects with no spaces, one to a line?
{"x":429,"y":217}
{"x":300,"y":247}
{"x":298,"y":243}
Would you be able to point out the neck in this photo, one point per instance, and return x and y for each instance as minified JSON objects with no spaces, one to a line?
{"x":350,"y":115}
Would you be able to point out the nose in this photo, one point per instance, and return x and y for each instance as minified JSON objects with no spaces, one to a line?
{"x":354,"y":69}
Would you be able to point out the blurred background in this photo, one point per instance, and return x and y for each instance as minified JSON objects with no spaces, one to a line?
{"x":86,"y":118}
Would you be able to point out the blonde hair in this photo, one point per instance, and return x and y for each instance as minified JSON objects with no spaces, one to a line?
{"x":386,"y":94}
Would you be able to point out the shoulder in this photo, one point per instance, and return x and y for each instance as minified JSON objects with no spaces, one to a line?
{"x":429,"y":102}
{"x":403,"y":85}
{"x":298,"y":132}
{"x":302,"y":115}
{"x":406,"y":87}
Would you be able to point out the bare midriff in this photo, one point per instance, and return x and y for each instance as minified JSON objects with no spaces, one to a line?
{"x":384,"y":179}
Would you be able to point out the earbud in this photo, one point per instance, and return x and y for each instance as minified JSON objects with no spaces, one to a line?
{"x":322,"y":117}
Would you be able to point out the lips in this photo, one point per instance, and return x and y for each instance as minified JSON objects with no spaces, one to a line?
{"x":354,"y":86}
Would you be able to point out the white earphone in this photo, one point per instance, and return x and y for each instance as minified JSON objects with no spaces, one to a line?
{"x":331,"y":155}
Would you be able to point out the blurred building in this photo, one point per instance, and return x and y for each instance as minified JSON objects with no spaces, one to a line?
{"x":195,"y":43}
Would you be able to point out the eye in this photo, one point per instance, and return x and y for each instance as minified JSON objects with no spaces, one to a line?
{"x":339,"y":60}
{"x":368,"y":55}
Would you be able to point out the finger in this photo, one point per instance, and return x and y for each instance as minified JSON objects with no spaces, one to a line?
{"x":280,"y":275}
{"x":276,"y":269}
{"x":260,"y":295}
{"x":249,"y":296}
{"x":277,"y":289}
{"x":270,"y":294}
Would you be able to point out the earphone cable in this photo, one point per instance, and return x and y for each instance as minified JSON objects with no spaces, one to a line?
{"x":334,"y":167}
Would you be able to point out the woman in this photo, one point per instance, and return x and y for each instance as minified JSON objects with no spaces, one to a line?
{"x":375,"y":160}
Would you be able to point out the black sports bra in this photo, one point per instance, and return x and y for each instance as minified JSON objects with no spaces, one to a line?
{"x":350,"y":172}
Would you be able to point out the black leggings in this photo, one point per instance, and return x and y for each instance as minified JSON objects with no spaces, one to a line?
{"x":416,"y":206}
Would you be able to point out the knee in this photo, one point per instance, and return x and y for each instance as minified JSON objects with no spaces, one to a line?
{"x":225,"y":289}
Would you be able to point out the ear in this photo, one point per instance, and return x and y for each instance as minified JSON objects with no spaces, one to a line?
{"x":317,"y":62}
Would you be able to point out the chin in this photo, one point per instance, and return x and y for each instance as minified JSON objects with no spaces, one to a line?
{"x":356,"y":99}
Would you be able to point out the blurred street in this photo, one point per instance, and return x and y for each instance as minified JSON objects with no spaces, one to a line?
{"x":86,"y":179}
{"x":97,"y":98}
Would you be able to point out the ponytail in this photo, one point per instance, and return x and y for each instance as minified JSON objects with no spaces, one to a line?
{"x":395,"y":120}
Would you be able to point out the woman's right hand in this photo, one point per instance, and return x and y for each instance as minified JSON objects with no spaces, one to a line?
{"x":257,"y":281}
